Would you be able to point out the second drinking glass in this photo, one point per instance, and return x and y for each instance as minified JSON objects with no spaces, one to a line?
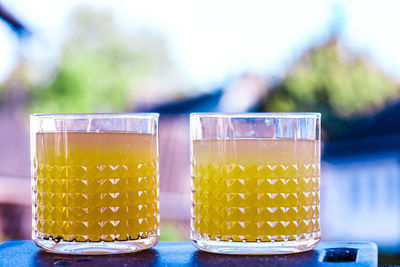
{"x":255,"y":182}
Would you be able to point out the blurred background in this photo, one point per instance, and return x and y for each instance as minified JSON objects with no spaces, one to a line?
{"x":337,"y":57}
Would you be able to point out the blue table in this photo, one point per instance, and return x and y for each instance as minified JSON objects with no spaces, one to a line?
{"x":25,"y":253}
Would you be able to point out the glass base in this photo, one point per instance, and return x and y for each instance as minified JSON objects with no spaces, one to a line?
{"x":255,"y":248}
{"x":94,"y":248}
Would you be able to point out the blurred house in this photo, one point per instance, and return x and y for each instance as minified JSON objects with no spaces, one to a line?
{"x":361,"y":182}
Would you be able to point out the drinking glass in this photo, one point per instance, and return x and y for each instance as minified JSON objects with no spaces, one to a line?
{"x":95,"y":182}
{"x":255,"y":182}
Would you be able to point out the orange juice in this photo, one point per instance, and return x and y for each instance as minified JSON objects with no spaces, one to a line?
{"x":253,"y":190}
{"x":95,"y":186}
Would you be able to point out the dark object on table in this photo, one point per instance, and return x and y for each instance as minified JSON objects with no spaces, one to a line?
{"x":340,"y":255}
{"x":25,"y":253}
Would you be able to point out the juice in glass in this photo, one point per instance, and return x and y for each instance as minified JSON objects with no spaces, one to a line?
{"x":255,"y":195}
{"x":95,"y":188}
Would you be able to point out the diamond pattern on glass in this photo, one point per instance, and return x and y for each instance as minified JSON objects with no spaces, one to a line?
{"x":255,"y":202}
{"x":95,"y":202}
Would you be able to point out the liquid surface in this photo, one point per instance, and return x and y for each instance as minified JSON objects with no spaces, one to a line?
{"x":95,"y":186}
{"x":255,"y":190}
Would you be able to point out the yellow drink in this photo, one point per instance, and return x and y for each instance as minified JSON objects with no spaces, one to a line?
{"x":95,"y":186}
{"x":255,"y":190}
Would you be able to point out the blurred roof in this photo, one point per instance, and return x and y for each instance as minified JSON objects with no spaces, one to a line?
{"x":383,"y":123}
{"x":204,"y":103}
{"x":378,"y":133}
{"x":242,"y":94}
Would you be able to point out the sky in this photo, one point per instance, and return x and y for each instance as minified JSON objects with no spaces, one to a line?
{"x":212,"y":41}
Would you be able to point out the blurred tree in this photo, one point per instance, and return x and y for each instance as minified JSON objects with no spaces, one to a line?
{"x":101,"y":66}
{"x":341,"y":88}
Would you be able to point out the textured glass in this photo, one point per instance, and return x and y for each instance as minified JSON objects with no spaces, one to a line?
{"x":95,"y":182}
{"x":255,"y":182}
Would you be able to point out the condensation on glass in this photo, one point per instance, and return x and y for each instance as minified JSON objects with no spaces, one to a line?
{"x":95,"y":182}
{"x":255,"y":182}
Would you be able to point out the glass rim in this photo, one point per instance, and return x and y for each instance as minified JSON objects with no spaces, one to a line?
{"x":258,"y":115}
{"x":133,"y":115}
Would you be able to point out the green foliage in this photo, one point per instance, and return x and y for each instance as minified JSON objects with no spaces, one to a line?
{"x":324,"y":81}
{"x":100,"y":67}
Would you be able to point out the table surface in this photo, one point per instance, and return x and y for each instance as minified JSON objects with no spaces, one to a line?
{"x":25,"y":253}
